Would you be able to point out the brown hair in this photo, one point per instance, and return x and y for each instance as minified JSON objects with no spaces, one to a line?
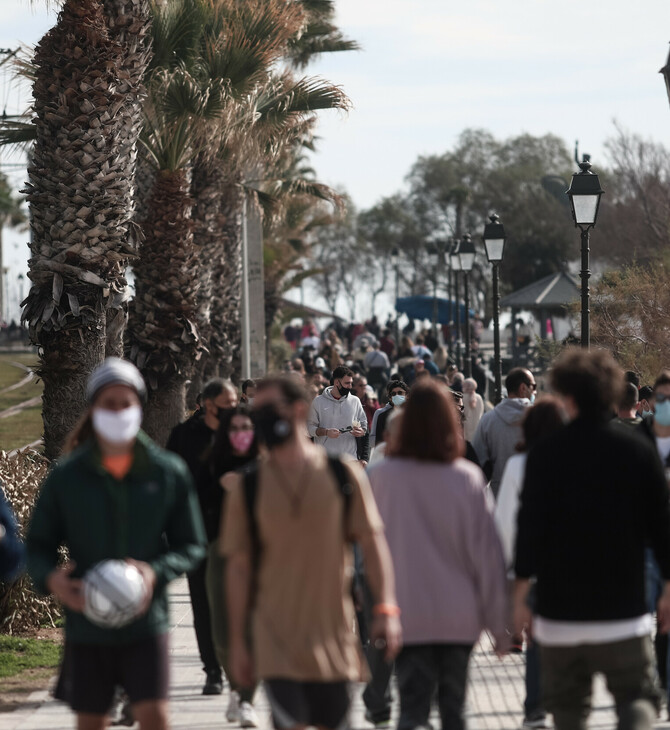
{"x":593,"y":379}
{"x":540,"y":420}
{"x":429,"y":430}
{"x":82,"y":432}
{"x":662,"y":379}
{"x":290,"y":389}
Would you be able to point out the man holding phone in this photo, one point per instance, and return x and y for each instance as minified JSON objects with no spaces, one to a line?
{"x":337,"y":419}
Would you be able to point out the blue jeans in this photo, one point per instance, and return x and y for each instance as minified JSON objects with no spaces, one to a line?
{"x":533,"y":702}
{"x":653,"y":589}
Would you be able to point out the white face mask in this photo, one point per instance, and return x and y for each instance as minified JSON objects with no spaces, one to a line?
{"x":117,"y":427}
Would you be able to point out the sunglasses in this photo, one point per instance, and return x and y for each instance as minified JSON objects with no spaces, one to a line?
{"x":532,"y":386}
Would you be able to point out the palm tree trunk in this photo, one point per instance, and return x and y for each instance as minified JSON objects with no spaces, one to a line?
{"x":79,"y":205}
{"x":210,"y":238}
{"x":162,"y":337}
{"x":128,"y":22}
{"x":227,"y":291}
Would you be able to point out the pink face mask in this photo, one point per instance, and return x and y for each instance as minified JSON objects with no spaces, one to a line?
{"x":241,"y":440}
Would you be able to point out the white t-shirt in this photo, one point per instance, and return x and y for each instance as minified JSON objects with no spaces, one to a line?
{"x":572,"y":633}
{"x":663,"y":446}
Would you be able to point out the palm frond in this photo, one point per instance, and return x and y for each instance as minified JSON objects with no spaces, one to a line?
{"x":177,"y":30}
{"x":17,"y":135}
{"x":306,"y":95}
{"x":319,"y":37}
{"x":257,"y":34}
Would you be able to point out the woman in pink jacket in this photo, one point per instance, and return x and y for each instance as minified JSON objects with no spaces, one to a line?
{"x":449,"y":565}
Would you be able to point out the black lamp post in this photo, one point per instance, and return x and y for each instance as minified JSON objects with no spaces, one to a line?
{"x":466,"y":253}
{"x":395,"y":262}
{"x":455,"y":264}
{"x":437,"y":252}
{"x":494,"y":241}
{"x":584,"y":193}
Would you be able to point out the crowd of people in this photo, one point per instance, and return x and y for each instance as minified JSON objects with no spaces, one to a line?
{"x":371,"y":486}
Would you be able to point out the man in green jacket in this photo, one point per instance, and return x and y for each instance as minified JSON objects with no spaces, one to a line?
{"x":117,"y":495}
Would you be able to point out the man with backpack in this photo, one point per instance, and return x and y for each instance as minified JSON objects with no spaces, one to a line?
{"x":287,"y":536}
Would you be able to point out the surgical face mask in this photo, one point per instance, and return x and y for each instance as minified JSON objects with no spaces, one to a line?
{"x":117,"y":427}
{"x":646,"y":414}
{"x":398,"y":400}
{"x":662,"y":413}
{"x":241,"y":440}
{"x":250,"y":402}
{"x":532,"y":398}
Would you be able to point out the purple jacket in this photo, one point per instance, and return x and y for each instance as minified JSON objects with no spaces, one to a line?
{"x":448,"y":560}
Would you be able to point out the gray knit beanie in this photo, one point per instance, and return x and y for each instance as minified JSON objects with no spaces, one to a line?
{"x":114,"y":371}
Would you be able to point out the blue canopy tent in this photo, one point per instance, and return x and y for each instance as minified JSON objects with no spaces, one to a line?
{"x":422,"y":307}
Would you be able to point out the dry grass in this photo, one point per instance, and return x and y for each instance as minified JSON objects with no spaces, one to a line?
{"x":21,"y":609}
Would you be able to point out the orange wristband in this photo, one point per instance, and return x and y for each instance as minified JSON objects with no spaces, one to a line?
{"x":386,"y":609}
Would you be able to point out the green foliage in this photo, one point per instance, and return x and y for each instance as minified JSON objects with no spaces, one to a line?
{"x":18,"y":653}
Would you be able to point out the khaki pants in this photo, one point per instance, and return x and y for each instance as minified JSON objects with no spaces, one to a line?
{"x":628,"y":666}
{"x":216,"y":593}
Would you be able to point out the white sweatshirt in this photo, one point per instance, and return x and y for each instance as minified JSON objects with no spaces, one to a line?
{"x":507,"y":505}
{"x":329,"y":412}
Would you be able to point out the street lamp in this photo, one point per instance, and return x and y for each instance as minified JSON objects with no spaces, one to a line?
{"x":466,"y":253}
{"x":395,"y":262}
{"x":494,"y":241}
{"x":437,"y":251}
{"x":584,"y":193}
{"x":455,"y":263}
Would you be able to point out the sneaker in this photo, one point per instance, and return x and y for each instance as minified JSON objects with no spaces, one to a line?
{"x":120,"y":713}
{"x":213,"y":684}
{"x":233,"y":711}
{"x":536,"y":719}
{"x":517,"y":646}
{"x":248,"y":717}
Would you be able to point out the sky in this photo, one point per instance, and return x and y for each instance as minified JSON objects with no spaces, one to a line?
{"x":429,"y":69}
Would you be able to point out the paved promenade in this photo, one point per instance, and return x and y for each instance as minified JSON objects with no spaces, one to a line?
{"x":495,"y":694}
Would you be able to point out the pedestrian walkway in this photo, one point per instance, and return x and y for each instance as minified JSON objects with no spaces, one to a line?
{"x":495,"y":694}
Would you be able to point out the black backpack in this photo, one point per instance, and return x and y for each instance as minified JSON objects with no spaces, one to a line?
{"x":345,"y":489}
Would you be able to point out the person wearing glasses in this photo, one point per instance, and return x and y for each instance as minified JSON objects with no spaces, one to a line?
{"x":499,"y":430}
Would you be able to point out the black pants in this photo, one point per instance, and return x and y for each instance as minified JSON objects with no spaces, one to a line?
{"x":426,"y":669}
{"x":377,"y":694}
{"x":197,"y":587}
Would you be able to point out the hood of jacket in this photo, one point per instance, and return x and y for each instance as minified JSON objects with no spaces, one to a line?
{"x":511,"y":410}
{"x":328,"y":393}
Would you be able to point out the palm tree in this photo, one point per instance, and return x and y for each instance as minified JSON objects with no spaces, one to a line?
{"x":162,"y":336}
{"x":80,"y":200}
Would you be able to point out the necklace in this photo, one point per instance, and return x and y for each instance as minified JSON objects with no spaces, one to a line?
{"x":294,"y":496}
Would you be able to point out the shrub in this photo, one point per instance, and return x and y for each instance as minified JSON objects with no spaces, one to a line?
{"x":21,"y":609}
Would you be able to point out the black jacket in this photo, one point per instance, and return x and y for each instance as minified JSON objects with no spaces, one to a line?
{"x":193,"y":441}
{"x":593,"y":497}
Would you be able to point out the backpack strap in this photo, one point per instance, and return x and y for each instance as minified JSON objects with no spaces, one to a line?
{"x":250,"y":476}
{"x":346,"y":488}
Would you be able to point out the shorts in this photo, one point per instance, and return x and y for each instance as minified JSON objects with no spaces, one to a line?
{"x":90,"y":673}
{"x":321,"y":704}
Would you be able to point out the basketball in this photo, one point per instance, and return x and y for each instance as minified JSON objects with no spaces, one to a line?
{"x":114,"y":592}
